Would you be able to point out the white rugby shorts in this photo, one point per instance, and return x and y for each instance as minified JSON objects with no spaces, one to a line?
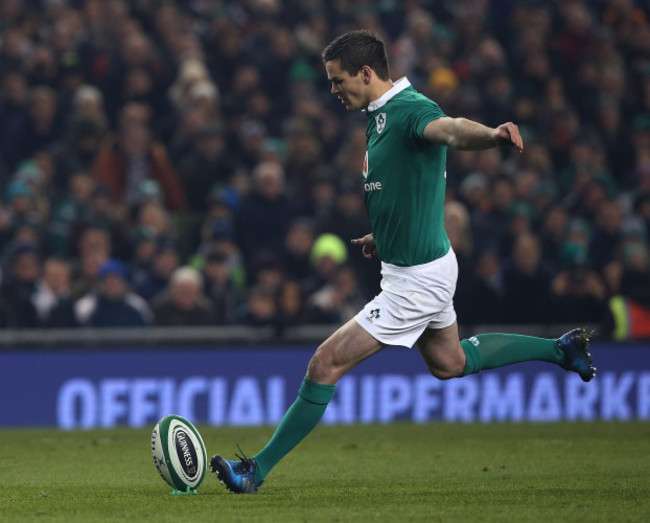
{"x":411,"y":300}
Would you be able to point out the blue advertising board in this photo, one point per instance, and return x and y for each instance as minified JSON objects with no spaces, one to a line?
{"x":247,"y":386}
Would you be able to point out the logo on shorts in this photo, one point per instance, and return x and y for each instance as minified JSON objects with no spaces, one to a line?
{"x":474,"y":341}
{"x":374,"y":315}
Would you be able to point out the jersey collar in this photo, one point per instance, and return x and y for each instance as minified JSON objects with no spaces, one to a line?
{"x":398,"y":87}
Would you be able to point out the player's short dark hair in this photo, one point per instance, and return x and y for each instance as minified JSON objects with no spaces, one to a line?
{"x":356,"y":49}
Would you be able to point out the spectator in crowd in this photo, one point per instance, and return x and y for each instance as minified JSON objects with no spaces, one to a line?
{"x":348,"y":160}
{"x":629,"y":305}
{"x":304,"y":160}
{"x":102,"y":214}
{"x":93,"y":249}
{"x":327,"y":254}
{"x":552,"y":234}
{"x":221,"y":287}
{"x":7,"y":314}
{"x":88,"y":125}
{"x":320,"y":202}
{"x":635,"y":278}
{"x":5,"y":227}
{"x":264,"y":216}
{"x":522,"y":217}
{"x":260,"y":309}
{"x":145,"y":245}
{"x":152,"y":214}
{"x":526,"y":283}
{"x":339,"y":299}
{"x":349,"y":220}
{"x":291,"y":306}
{"x":218,"y":221}
{"x":251,"y":136}
{"x":459,"y":232}
{"x":111,"y":304}
{"x":52,"y":297}
{"x":473,"y":192}
{"x":207,"y":165}
{"x":14,"y":99}
{"x":607,"y":234}
{"x":123,"y":164}
{"x":71,"y":210}
{"x":480,"y":293}
{"x":183,"y":301}
{"x":89,"y":105}
{"x":19,"y":283}
{"x":187,"y":131}
{"x":298,"y":243}
{"x":494,"y":226}
{"x":37,"y":129}
{"x":36,"y":173}
{"x":19,"y":202}
{"x":245,"y":80}
{"x":154,"y":280}
{"x":77,"y":152}
{"x":268,"y":272}
{"x":578,"y":291}
{"x":640,"y":219}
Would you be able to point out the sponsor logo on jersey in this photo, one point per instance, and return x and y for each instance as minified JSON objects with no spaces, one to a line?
{"x":369,"y":186}
{"x":365,"y":166}
{"x":380,"y":120}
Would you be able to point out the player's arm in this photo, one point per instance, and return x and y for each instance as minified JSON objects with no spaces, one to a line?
{"x":464,"y":134}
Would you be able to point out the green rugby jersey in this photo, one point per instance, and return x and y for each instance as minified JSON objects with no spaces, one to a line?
{"x":405,"y":178}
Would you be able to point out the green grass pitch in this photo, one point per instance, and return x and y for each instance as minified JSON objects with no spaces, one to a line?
{"x":401,"y":472}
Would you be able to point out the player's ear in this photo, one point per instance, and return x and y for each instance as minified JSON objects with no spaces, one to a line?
{"x":366,"y":74}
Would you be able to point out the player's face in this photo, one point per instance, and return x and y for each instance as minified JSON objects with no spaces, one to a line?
{"x":351,"y":90}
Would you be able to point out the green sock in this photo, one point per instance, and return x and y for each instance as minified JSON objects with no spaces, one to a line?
{"x":489,"y":351}
{"x":297,"y":422}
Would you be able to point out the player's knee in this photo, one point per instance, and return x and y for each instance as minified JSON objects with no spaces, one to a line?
{"x":321,"y":368}
{"x":448,"y":371}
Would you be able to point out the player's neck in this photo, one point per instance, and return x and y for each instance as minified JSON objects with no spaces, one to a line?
{"x":378,"y":88}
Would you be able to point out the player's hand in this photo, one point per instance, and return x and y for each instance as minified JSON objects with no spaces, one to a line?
{"x":368,"y":245}
{"x":508,"y":134}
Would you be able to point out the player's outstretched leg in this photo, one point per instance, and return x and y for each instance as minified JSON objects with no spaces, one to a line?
{"x":492,"y":350}
{"x":575,"y":345}
{"x":237,"y":476}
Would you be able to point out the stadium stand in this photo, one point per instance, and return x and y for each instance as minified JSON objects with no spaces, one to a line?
{"x":205,"y":130}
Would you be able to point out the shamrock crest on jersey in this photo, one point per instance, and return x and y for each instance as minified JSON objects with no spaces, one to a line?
{"x":380,"y":120}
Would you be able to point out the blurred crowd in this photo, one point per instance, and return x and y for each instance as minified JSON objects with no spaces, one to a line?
{"x":183,"y":162}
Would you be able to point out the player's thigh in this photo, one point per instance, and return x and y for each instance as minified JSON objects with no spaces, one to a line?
{"x":441,"y":350}
{"x":347,"y":347}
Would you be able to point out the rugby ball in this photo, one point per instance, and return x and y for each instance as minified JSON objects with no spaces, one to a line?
{"x":178,"y":453}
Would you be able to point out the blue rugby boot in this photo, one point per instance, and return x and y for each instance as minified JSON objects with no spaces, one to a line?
{"x":237,"y":476}
{"x":575,"y":345}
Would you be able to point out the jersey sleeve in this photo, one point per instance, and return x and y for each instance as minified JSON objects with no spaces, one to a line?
{"x":419,"y":115}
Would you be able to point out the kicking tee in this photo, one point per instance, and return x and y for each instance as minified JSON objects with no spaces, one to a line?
{"x":405,"y":178}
